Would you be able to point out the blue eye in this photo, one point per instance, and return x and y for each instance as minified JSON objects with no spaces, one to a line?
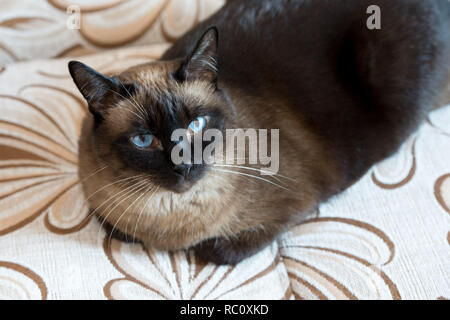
{"x":142,"y":140}
{"x":198,"y":124}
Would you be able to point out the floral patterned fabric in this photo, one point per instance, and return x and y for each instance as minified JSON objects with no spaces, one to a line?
{"x":32,"y":29}
{"x":386,"y":237}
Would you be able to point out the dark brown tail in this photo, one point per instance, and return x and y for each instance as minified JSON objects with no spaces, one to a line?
{"x":444,"y":98}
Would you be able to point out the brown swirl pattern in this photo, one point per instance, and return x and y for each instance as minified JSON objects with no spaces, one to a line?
{"x":397,"y":170}
{"x":41,"y":198}
{"x":20,"y":283}
{"x":442,"y":192}
{"x":39,"y":130}
{"x":87,"y":7}
{"x":353,"y":253}
{"x":439,"y":119}
{"x":41,"y":27}
{"x":149,"y":274}
{"x":39,"y":163}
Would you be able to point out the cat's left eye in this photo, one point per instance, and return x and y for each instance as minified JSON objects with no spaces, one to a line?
{"x":143,"y":141}
{"x":198,"y":124}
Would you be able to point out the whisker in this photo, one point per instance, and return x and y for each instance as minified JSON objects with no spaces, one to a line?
{"x":255,"y":169}
{"x":112,"y":196}
{"x":126,"y":210}
{"x":251,"y":176}
{"x":148,"y":189}
{"x":131,"y":96}
{"x":142,"y":210}
{"x":94,"y":173}
{"x":141,"y":111}
{"x":224,"y":160}
{"x":140,"y":116}
{"x":216,"y":176}
{"x":120,"y":195}
{"x":126,"y":196}
{"x":109,"y":185}
{"x":128,"y":220}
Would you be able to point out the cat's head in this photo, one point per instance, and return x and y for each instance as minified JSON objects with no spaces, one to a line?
{"x":136,"y":112}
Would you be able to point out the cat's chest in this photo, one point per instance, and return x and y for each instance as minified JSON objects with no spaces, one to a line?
{"x":191,"y":204}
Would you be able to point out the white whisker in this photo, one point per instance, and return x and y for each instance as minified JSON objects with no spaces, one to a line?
{"x":110,"y":197}
{"x":109,"y":185}
{"x":251,"y":176}
{"x":126,"y":210}
{"x":124,"y":197}
{"x":142,"y":210}
{"x":255,"y":169}
{"x":143,"y":112}
{"x":94,"y":173}
{"x":141,"y":116}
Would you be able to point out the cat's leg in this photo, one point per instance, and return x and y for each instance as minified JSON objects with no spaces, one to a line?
{"x":114,"y":233}
{"x":233,"y":250}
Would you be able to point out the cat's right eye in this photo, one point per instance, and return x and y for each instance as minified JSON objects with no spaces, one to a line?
{"x":197,"y":125}
{"x":143,"y":141}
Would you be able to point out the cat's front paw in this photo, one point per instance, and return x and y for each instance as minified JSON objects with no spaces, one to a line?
{"x":222,"y":252}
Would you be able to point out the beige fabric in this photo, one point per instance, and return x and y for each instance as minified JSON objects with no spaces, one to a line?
{"x":33,"y":29}
{"x":386,"y":237}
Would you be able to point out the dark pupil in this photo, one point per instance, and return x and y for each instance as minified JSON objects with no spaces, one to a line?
{"x":142,"y":138}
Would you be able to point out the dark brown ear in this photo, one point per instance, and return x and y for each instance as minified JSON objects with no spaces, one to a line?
{"x":99,"y":90}
{"x":202,"y":62}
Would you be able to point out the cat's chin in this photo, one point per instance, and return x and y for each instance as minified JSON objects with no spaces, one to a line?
{"x":182,"y":186}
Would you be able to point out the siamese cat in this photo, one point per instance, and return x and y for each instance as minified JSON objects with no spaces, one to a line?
{"x":342,"y":96}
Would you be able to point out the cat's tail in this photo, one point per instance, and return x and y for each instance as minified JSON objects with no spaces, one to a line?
{"x":444,"y":98}
{"x":446,"y":8}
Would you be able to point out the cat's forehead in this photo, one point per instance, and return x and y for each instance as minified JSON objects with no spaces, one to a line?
{"x":158,"y":97}
{"x":157,"y":87}
{"x":153,"y":74}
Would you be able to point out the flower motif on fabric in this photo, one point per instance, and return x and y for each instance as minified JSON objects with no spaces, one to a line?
{"x":20,"y":283}
{"x":151,"y":274}
{"x":337,"y":258}
{"x":399,"y":169}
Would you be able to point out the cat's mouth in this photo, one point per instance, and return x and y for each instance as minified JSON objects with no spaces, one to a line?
{"x":182,"y":187}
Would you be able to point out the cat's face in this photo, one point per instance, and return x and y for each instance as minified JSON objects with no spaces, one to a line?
{"x":136,"y":112}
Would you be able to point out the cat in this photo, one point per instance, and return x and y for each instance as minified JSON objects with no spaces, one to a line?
{"x":343,"y":97}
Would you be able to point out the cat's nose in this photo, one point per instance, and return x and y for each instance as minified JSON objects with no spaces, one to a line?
{"x":183,"y":169}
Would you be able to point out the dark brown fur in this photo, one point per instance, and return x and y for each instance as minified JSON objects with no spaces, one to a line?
{"x":344,"y":97}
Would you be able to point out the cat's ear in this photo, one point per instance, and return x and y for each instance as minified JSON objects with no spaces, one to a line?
{"x":202,"y":62}
{"x":98,"y":89}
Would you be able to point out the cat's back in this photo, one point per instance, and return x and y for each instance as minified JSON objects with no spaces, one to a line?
{"x":293,"y":42}
{"x":256,"y":35}
{"x":359,"y":88}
